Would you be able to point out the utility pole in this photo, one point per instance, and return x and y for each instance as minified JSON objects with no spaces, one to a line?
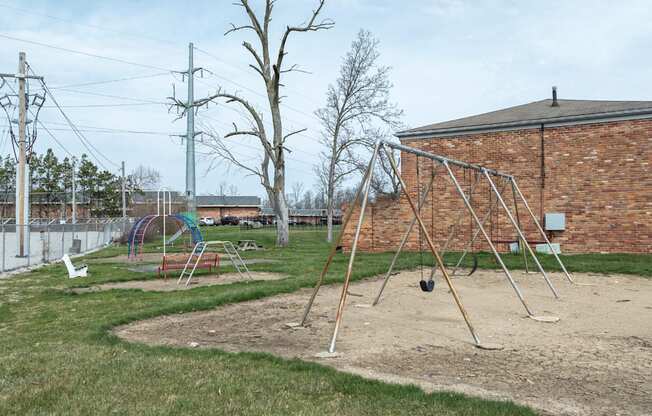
{"x":188,"y":110}
{"x":23,"y":183}
{"x":74,"y":192}
{"x":190,"y":135}
{"x":124,"y":190}
{"x":22,"y":197}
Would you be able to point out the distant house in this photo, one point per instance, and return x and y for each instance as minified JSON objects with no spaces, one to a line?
{"x":217,"y":207}
{"x":303,"y":216}
{"x":213,"y":206}
{"x":51,"y":205}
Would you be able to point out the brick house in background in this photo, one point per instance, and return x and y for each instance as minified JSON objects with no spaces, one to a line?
{"x":303,"y":216}
{"x":55,"y":205}
{"x":212,"y":206}
{"x":589,"y":161}
{"x":217,"y":207}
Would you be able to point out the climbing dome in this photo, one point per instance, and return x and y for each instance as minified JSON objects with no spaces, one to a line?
{"x":137,"y":234}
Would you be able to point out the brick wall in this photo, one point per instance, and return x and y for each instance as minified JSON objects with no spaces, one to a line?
{"x":219,"y":212}
{"x":598,"y":175}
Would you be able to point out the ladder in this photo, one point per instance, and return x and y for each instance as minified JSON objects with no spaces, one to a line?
{"x":198,"y":251}
{"x":235,"y":258}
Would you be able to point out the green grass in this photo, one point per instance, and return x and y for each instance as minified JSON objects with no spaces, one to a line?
{"x":57,"y":355}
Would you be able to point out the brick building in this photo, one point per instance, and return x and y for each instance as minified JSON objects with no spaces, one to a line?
{"x":217,"y":207}
{"x":303,"y":216}
{"x":51,"y":205}
{"x":213,"y":206}
{"x":587,"y":160}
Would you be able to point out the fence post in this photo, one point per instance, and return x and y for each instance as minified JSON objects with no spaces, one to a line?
{"x":3,"y":246}
{"x":63,"y":238}
{"x":48,"y":231}
{"x":28,"y":233}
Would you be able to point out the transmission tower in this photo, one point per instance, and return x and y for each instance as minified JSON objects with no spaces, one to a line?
{"x":188,"y":109}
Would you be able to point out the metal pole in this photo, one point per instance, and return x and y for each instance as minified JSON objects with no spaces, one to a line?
{"x":190,"y":135}
{"x":354,"y":248}
{"x":3,"y":246}
{"x":475,"y":235}
{"x":21,"y":185}
{"x":438,"y":258}
{"x":63,"y":239}
{"x":543,"y":233}
{"x":74,"y":192}
{"x":518,"y":220}
{"x":164,"y":218}
{"x":442,"y":159}
{"x":335,"y":244}
{"x":520,"y":233}
{"x":124,"y":190}
{"x":454,"y":228}
{"x":486,"y":236}
{"x":403,"y":241}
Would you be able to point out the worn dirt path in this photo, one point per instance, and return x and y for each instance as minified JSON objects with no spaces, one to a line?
{"x":597,"y":360}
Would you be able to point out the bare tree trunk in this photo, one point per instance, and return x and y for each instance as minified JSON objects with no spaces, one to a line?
{"x":282,"y":222}
{"x":330,"y":191}
{"x":329,"y":221}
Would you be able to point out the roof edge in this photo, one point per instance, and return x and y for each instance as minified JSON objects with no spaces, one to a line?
{"x":579,"y":119}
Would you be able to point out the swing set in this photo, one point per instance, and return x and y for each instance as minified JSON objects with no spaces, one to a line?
{"x":474,"y":175}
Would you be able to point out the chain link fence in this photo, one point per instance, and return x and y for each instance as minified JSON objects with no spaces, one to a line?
{"x":48,"y":240}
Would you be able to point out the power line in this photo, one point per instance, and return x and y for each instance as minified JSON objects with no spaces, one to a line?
{"x":119,"y":97}
{"x":142,"y":36}
{"x":259,"y":149}
{"x":267,"y":111}
{"x":99,"y":129}
{"x":79,"y":134}
{"x":227,"y":126}
{"x":240,"y":68}
{"x":259,"y":94}
{"x":104,"y":105}
{"x":92,"y":55}
{"x":110,"y":81}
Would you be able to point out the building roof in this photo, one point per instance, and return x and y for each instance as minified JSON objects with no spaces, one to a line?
{"x":227,"y":201}
{"x":150,"y":197}
{"x":534,"y":114}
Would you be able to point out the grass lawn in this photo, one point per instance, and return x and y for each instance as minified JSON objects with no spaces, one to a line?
{"x":57,"y":355}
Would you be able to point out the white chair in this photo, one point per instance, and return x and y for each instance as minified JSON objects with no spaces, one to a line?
{"x":81,"y":271}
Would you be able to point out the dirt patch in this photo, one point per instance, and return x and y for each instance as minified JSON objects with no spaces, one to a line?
{"x":597,"y":360}
{"x":155,"y":258}
{"x":169,"y":285}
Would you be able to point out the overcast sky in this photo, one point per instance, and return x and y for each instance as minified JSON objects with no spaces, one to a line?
{"x":450,"y":59}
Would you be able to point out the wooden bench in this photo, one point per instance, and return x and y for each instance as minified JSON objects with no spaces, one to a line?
{"x":209,"y":261}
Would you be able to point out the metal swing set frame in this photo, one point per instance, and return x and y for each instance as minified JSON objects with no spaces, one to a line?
{"x":490,"y":176}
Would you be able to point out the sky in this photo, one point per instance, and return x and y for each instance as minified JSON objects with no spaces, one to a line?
{"x":449,"y":59}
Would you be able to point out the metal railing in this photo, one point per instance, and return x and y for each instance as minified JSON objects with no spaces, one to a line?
{"x":50,"y":239}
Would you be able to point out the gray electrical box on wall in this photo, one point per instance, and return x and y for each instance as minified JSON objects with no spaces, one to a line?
{"x":555,"y":221}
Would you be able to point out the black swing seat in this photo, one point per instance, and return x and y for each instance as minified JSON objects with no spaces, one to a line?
{"x":427,"y":285}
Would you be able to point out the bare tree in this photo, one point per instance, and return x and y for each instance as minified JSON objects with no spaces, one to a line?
{"x":295,"y":194}
{"x":221,"y":188}
{"x":143,"y":178}
{"x":384,"y":182}
{"x":307,"y":199}
{"x":270,"y":66}
{"x":233,"y":190}
{"x":358,"y":99}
